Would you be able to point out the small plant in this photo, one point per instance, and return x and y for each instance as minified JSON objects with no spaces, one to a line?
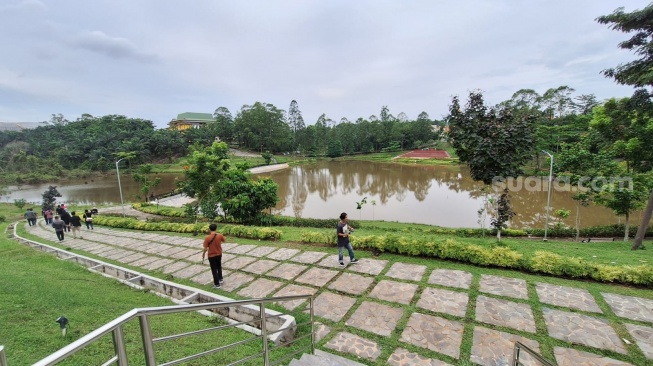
{"x":359,"y":206}
{"x":267,"y":156}
{"x":561,"y":214}
{"x":20,"y":203}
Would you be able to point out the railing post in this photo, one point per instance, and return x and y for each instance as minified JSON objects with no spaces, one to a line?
{"x":119,"y":346}
{"x":311,"y":302}
{"x":146,"y":334}
{"x":3,"y":357}
{"x":515,"y":355}
{"x":264,"y":334}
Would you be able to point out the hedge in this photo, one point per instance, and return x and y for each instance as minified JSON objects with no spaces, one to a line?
{"x":249,"y":232}
{"x":497,"y":256}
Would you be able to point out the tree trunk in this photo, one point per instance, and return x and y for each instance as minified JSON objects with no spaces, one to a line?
{"x":627,"y":227}
{"x":499,"y":235}
{"x":641,"y":232}
{"x":577,"y":220}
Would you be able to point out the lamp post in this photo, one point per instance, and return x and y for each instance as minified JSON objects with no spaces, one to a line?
{"x":548,"y":199}
{"x":120,"y":187}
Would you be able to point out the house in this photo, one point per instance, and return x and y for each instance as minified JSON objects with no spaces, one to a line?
{"x":188,"y":120}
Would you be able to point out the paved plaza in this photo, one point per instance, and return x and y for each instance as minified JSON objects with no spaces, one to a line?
{"x":427,"y":311}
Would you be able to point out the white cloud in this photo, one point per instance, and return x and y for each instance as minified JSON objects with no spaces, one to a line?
{"x":113,"y":47}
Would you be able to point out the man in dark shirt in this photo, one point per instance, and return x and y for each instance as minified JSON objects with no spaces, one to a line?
{"x":65,"y":216}
{"x":76,"y":223}
{"x":213,"y":245}
{"x":342,"y":230}
{"x":58,"y":226}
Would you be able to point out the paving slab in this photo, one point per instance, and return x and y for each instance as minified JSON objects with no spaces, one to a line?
{"x":394,"y":291}
{"x":321,"y":331}
{"x":331,"y":261}
{"x":283,"y":254}
{"x":287,"y":271}
{"x":187,"y":253}
{"x":332,"y":306}
{"x":451,"y":278}
{"x":260,"y":266}
{"x":504,"y":286}
{"x":308,"y":257}
{"x":403,"y":357}
{"x":241,"y":249}
{"x":568,"y":297}
{"x":174,"y":267}
{"x":355,"y":345}
{"x":505,"y":313}
{"x":316,"y":276}
{"x":118,"y":254}
{"x":444,"y":301}
{"x":410,"y":272}
{"x":145,"y":260}
{"x":260,"y":288}
{"x":133,"y":257}
{"x":368,"y":266}
{"x":643,"y":337}
{"x":376,"y":318}
{"x":205,"y":278}
{"x":630,"y":307}
{"x":582,"y":329}
{"x":261,"y":251}
{"x":494,"y":348}
{"x":351,"y":283}
{"x":434,"y":333}
{"x":192,"y":270}
{"x":238,"y":262}
{"x":226,"y":247}
{"x":157,"y":264}
{"x":291,"y":290}
{"x":566,"y":356}
{"x":235,"y":280}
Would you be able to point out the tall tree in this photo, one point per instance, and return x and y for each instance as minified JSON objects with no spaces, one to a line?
{"x":224,"y":123}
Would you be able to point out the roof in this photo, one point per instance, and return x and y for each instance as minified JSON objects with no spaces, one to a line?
{"x":195,"y":116}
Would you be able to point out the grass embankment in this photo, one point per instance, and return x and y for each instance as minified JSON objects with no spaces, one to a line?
{"x":37,"y":288}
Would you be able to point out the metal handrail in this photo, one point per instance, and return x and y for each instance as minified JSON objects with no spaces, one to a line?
{"x":517,"y":350}
{"x":3,"y":357}
{"x":115,"y":327}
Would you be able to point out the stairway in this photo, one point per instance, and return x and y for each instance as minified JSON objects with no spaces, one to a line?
{"x":321,"y":358}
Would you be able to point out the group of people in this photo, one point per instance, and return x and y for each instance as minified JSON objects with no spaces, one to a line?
{"x":213,"y":246}
{"x":63,"y":221}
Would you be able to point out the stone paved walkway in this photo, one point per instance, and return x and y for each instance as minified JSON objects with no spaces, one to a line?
{"x":429,"y":311}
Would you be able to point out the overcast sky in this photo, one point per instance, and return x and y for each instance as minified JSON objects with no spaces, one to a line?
{"x":155,"y":59}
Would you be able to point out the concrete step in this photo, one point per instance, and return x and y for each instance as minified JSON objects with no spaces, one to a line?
{"x":321,"y":358}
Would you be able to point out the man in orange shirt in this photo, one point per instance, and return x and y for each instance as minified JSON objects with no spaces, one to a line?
{"x":213,"y":245}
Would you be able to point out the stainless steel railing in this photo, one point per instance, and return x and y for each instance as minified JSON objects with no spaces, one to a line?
{"x":519,"y":347}
{"x":3,"y":357}
{"x":115,"y":327}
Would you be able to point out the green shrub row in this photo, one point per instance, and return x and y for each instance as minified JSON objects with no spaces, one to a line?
{"x":301,"y":222}
{"x":497,"y":256}
{"x":249,"y":232}
{"x":162,"y":210}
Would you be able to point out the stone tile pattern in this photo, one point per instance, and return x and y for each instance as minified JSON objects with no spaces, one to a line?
{"x":321,"y":331}
{"x":582,"y":329}
{"x":351,"y":283}
{"x":260,"y":266}
{"x":434,"y":333}
{"x":291,"y":290}
{"x":260,"y":288}
{"x":505,"y":313}
{"x":567,"y":297}
{"x":566,"y":356}
{"x":402,"y":357}
{"x":308,"y":257}
{"x":235,"y":280}
{"x":444,"y":301}
{"x":283,"y":254}
{"x":368,"y":266}
{"x":376,"y":318}
{"x":394,"y":291}
{"x":287,"y":271}
{"x":495,"y":348}
{"x":630,"y":307}
{"x":355,"y":345}
{"x":451,"y":278}
{"x":644,"y":337}
{"x":332,"y":306}
{"x":316,"y":276}
{"x":504,"y":286}
{"x":403,"y":271}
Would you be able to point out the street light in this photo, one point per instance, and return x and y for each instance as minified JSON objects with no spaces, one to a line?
{"x":548,"y":199}
{"x":119,"y":186}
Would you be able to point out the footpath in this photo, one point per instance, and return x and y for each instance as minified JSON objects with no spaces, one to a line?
{"x":424,"y":311}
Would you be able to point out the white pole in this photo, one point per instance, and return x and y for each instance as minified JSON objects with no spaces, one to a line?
{"x":120,"y":187}
{"x":548,"y":199}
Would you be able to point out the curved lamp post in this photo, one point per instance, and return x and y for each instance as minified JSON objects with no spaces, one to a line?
{"x":119,"y":186}
{"x":548,"y":199}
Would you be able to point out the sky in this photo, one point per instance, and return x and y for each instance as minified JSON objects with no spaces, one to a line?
{"x":155,"y":59}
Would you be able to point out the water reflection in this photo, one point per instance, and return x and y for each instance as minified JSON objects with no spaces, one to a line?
{"x":438,"y":195}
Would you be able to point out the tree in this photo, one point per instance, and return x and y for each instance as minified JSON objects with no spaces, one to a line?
{"x":335,"y":149}
{"x":295,"y":119}
{"x":144,"y":178}
{"x":491,"y":141}
{"x":637,"y":72}
{"x":20,"y":203}
{"x":263,"y":126}
{"x":50,"y":198}
{"x":224,"y":123}
{"x":504,"y":213}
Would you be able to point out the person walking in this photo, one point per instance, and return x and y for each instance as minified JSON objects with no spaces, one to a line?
{"x":213,"y":245}
{"x":343,"y":230}
{"x":76,"y":223}
{"x":88,"y":219}
{"x":30,"y":215}
{"x":48,"y":216}
{"x":65,"y":216}
{"x":58,"y":226}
